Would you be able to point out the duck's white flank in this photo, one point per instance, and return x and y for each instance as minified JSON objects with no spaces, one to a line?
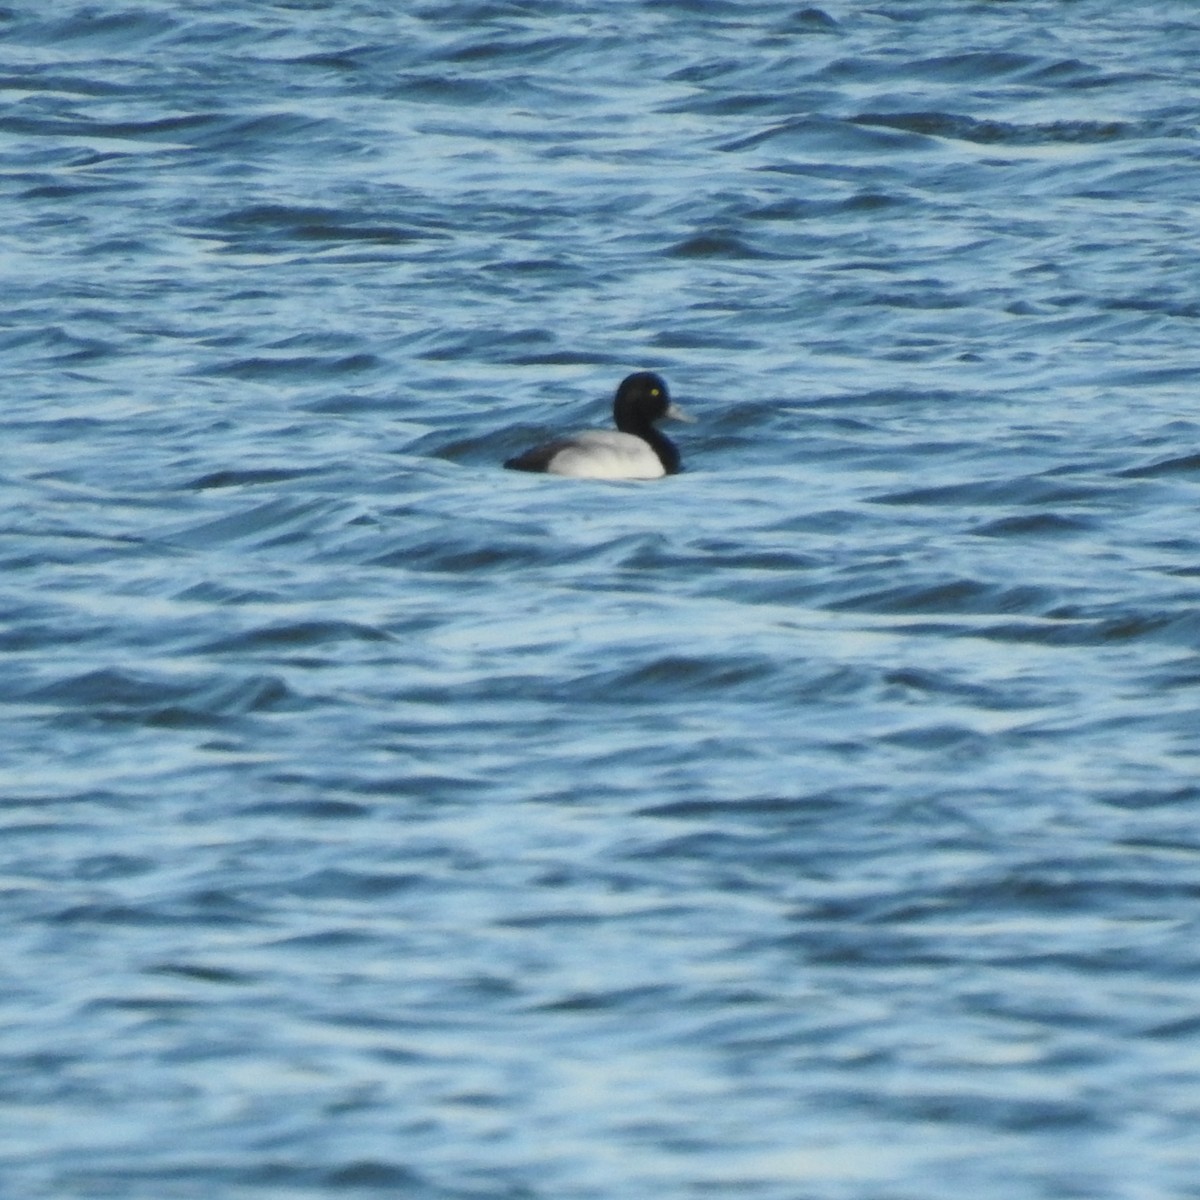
{"x":606,"y":454}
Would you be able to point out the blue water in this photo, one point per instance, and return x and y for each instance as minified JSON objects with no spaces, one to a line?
{"x":819,"y":824}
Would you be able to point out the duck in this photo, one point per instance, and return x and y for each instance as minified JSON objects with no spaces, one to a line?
{"x":634,"y":450}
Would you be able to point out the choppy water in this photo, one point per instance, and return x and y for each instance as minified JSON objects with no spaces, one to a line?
{"x":819,"y":824}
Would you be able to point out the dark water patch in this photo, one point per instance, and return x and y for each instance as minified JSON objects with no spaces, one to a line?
{"x":956,"y":127}
{"x":377,"y":1175}
{"x":702,"y":8}
{"x":1048,"y":889}
{"x":531,"y":50}
{"x":296,"y":635}
{"x":1013,"y":1114}
{"x":59,"y":344}
{"x":425,"y":786}
{"x":951,"y":596}
{"x":792,"y":810}
{"x":105,"y":913}
{"x":443,"y":89}
{"x":492,"y":344}
{"x":154,"y":1008}
{"x":1038,"y":525}
{"x":337,"y":940}
{"x":1185,"y":465}
{"x":467,"y":552}
{"x":715,"y":244}
{"x":1168,"y":306}
{"x":581,"y":357}
{"x":224,"y":595}
{"x":162,"y":128}
{"x":705,"y":71}
{"x":915,"y":683}
{"x":1183,"y":1028}
{"x":19,"y":635}
{"x":345,"y":59}
{"x":340,"y":61}
{"x":1116,"y":185}
{"x":1181,"y":849}
{"x":181,"y":1174}
{"x":828,"y":135}
{"x":677,"y":676}
{"x":1068,"y":72}
{"x":810,"y":20}
{"x":100,"y":867}
{"x":740,"y":860}
{"x":492,"y":447}
{"x":625,"y":1000}
{"x":202,"y":973}
{"x":539,"y":268}
{"x":797,"y":209}
{"x":31,"y":1070}
{"x":555,"y":919}
{"x":353,"y":1176}
{"x":973,"y":66}
{"x":262,"y":225}
{"x":280,"y":521}
{"x":99,"y":798}
{"x":293,"y":367}
{"x":1179,"y":624}
{"x":109,"y":687}
{"x":351,"y":403}
{"x":73,"y":546}
{"x":342,"y":884}
{"x":1155,"y":375}
{"x":685,"y":339}
{"x":309,"y":810}
{"x":764,"y":103}
{"x":1151,"y":797}
{"x":986,"y":493}
{"x":250,"y":477}
{"x":899,"y":397}
{"x":1182,"y":675}
{"x":926,"y":294}
{"x":1064,"y":629}
{"x":119,"y":696}
{"x":735,"y":555}
{"x":116,"y":29}
{"x":475,"y":12}
{"x":754,"y":415}
{"x":76,"y":190}
{"x":284,"y":133}
{"x":109,"y":248}
{"x":962,"y":743}
{"x":43,"y":80}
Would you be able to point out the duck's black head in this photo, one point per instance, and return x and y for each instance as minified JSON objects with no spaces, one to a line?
{"x":641,"y":400}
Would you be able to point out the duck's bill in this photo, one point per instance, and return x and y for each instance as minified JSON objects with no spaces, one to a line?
{"x":675,"y":413}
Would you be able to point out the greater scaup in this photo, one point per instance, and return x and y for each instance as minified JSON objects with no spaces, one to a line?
{"x":634,"y":450}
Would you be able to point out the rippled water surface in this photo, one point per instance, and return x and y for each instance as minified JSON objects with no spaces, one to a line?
{"x":818,"y":824}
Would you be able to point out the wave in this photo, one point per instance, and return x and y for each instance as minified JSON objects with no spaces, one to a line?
{"x":956,"y":127}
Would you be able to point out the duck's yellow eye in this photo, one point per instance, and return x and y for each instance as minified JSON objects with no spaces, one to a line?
{"x":655,"y":392}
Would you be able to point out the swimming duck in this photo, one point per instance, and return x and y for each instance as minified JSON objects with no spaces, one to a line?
{"x":634,"y":450}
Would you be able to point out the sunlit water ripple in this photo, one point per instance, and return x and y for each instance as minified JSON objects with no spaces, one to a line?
{"x":815,"y":824}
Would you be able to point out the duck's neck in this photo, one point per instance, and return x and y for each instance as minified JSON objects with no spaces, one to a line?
{"x":631,"y":419}
{"x":662,"y":445}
